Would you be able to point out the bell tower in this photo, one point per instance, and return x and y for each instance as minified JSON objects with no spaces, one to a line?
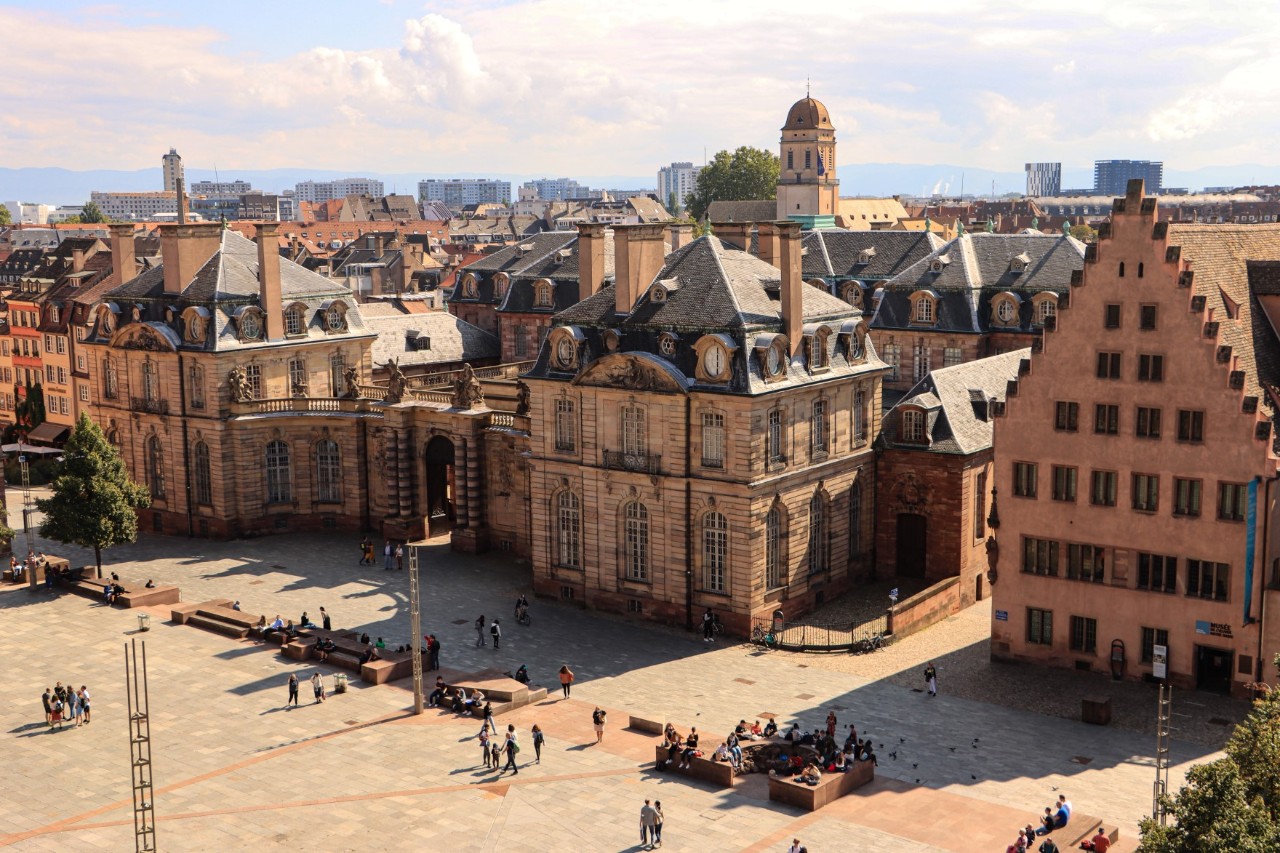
{"x":808,"y":188}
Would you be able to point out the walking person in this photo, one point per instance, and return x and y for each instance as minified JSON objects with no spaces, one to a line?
{"x":512,"y":748}
{"x":647,"y":820}
{"x":399,"y":556}
{"x":480,"y":631}
{"x":708,"y":626}
{"x":47,"y":699}
{"x":658,"y":818}
{"x":931,"y":679}
{"x":598,"y":720}
{"x":293,"y":690}
{"x":84,"y":697}
{"x":317,"y":687}
{"x":566,"y":680}
{"x":538,"y":740}
{"x":325,"y":622}
{"x":831,"y":725}
{"x":433,"y":650}
{"x":496,"y":631}
{"x":388,"y":554}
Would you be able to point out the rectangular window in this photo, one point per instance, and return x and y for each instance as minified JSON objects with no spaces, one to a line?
{"x":1084,"y":634}
{"x":921,"y":353}
{"x":951,"y":356}
{"x":1157,"y":572}
{"x":1147,"y":317}
{"x":1207,"y":580}
{"x":1190,"y":425}
{"x":913,"y":425}
{"x":566,"y":425}
{"x":1231,"y":501}
{"x":1040,"y":556}
{"x":1148,"y":422}
{"x":48,"y":343}
{"x":253,"y":376}
{"x":1039,"y":626}
{"x":81,"y":362}
{"x":1186,"y":497}
{"x":818,"y":427}
{"x":980,"y":505}
{"x":860,"y":417}
{"x":1150,"y":368}
{"x":62,"y":375}
{"x":84,"y":393}
{"x":1064,"y":483}
{"x":1106,"y":419}
{"x":1103,"y":490}
{"x":634,"y":438}
{"x":1146,"y":492}
{"x":1108,"y":365}
{"x":64,"y":406}
{"x":1152,"y":637}
{"x":893,"y":358}
{"x":1024,"y":479}
{"x":1086,"y":563}
{"x":712,"y":440}
{"x":773,"y":438}
{"x":1066,"y":417}
{"x":62,"y":345}
{"x":522,"y":343}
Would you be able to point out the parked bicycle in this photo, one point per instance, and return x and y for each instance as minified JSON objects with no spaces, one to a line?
{"x":874,"y":643}
{"x":761,"y":637}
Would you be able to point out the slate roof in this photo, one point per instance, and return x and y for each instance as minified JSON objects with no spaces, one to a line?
{"x":743,"y":211}
{"x":528,"y":260}
{"x":836,"y":254}
{"x":952,"y":398}
{"x":452,"y":340}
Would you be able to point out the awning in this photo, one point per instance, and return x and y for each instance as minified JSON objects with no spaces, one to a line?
{"x":21,"y":449}
{"x":47,"y":433}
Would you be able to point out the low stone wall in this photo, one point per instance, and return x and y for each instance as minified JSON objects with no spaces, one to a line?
{"x":925,"y":608}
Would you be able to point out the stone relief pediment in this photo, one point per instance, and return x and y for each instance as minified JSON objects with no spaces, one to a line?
{"x":634,"y":372}
{"x":146,"y":337}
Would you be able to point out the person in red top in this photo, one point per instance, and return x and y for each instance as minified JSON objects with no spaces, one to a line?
{"x":1100,"y":843}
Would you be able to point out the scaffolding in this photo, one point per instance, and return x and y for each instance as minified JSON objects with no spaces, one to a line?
{"x":1164,"y":713}
{"x":415,"y":629}
{"x":139,"y":704}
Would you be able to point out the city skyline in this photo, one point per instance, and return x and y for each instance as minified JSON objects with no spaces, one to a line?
{"x":265,"y":88}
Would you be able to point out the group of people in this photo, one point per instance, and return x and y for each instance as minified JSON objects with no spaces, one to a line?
{"x":33,"y":561}
{"x":651,"y":819}
{"x":317,"y":689}
{"x":62,"y":704}
{"x":392,"y":554}
{"x":1055,"y":816}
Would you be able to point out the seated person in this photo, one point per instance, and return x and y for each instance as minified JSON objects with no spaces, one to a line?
{"x":438,"y":693}
{"x":380,"y":644}
{"x":742,"y":729}
{"x":289,"y":630}
{"x":150,"y":584}
{"x":1046,"y":822}
{"x":869,"y":755}
{"x":1060,"y":818}
{"x":476,"y":700}
{"x":522,"y":674}
{"x":107,"y":593}
{"x":1100,"y":843}
{"x":673,"y":742}
{"x":756,"y":731}
{"x":690,"y":748}
{"x":770,"y":728}
{"x":838,"y":764}
{"x":797,"y":764}
{"x":324,"y":647}
{"x":276,"y":624}
{"x":262,"y":622}
{"x":117,"y":590}
{"x":305,"y":621}
{"x":793,"y":734}
{"x":364,"y":639}
{"x":235,"y":605}
{"x":721,"y":753}
{"x":458,"y":705}
{"x":811,"y":775}
{"x":367,"y":655}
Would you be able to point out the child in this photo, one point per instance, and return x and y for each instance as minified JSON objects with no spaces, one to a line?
{"x":495,"y":754}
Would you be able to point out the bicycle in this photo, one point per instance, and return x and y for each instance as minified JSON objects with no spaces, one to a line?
{"x":874,"y":643}
{"x":523,"y":617}
{"x":761,"y":637}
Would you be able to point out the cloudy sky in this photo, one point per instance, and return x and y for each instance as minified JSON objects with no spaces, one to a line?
{"x":592,"y":87}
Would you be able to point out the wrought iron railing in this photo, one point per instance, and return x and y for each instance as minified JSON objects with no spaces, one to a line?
{"x":643,"y":463}
{"x":155,"y":407}
{"x":817,"y":636}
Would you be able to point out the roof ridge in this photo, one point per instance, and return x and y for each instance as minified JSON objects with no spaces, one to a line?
{"x":715,"y":249}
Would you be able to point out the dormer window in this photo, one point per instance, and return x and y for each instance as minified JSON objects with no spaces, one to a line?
{"x":852,"y":293}
{"x":500,"y":282}
{"x":542,"y":293}
{"x":335,"y":317}
{"x":1006,"y":310}
{"x":53,"y":313}
{"x":865,"y":256}
{"x":939,"y":263}
{"x":1046,"y":307}
{"x":612,"y":339}
{"x":1018,"y":263}
{"x":913,"y":426}
{"x":667,"y":344}
{"x":819,"y":357}
{"x":923,"y":312}
{"x":663,"y":289}
{"x":293,"y":321}
{"x":469,"y":285}
{"x":249,"y":324}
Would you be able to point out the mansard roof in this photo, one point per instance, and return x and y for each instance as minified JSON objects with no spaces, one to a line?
{"x":839,"y":254}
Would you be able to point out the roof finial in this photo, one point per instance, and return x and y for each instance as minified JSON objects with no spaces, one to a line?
{"x":806,"y":85}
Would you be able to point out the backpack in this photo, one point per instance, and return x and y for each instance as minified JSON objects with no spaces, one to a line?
{"x":493,"y":629}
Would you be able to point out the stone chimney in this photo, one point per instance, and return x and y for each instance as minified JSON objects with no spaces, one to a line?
{"x":590,"y":258}
{"x":789,"y":255}
{"x":269,"y":298}
{"x":77,"y":259}
{"x":767,"y":245}
{"x":736,"y":235}
{"x":184,"y":249}
{"x":124,"y":264}
{"x":637,"y":259}
{"x":681,"y":234}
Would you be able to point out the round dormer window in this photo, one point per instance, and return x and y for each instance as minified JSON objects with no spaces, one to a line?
{"x":715,"y":361}
{"x":565,"y":351}
{"x":1005,"y":311}
{"x":333,"y":319}
{"x":250,"y":326}
{"x":667,"y":345}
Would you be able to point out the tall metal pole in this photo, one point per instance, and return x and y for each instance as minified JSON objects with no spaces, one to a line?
{"x":27,"y":509}
{"x":138,"y":702}
{"x":415,"y":629}
{"x":1161,"y":786}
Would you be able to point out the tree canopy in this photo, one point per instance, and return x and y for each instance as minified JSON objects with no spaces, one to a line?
{"x":94,"y":501}
{"x":5,"y":217}
{"x":746,"y":174}
{"x":92,"y":213}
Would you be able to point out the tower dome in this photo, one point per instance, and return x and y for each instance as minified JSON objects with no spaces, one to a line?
{"x":808,"y":114}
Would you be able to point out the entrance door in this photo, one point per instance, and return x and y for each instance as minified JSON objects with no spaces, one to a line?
{"x":912,"y":544}
{"x":440,"y":485}
{"x":1213,"y":669}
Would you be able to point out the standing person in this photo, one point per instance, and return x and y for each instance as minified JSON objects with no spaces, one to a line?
{"x":399,"y":556}
{"x":831,"y":725}
{"x":566,"y":680}
{"x":484,"y":745}
{"x":647,"y":819}
{"x":317,"y":687}
{"x":496,"y":631}
{"x":538,"y":740}
{"x":293,"y":690}
{"x":512,"y":748}
{"x":708,"y":626}
{"x":325,"y":622}
{"x":56,"y":719}
{"x":931,"y":679}
{"x":598,"y":720}
{"x":388,"y":553}
{"x":433,"y":650}
{"x":47,"y":699}
{"x":658,"y":818}
{"x":797,"y":847}
{"x":84,"y":694}
{"x":73,"y":707}
{"x":480,"y":631}
{"x":487,"y":713}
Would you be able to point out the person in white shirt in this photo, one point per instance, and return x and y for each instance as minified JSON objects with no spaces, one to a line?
{"x":797,"y":847}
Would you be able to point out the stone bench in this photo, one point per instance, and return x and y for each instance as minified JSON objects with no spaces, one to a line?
{"x":832,"y":786}
{"x":390,"y":666}
{"x":144,"y":597}
{"x":181,"y":610}
{"x":300,"y":649}
{"x":641,"y":724}
{"x":217,"y":626}
{"x":497,"y":688}
{"x":704,"y":769}
{"x":1081,"y":828}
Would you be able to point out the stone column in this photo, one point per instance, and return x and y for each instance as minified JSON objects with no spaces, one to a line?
{"x":404,"y":466}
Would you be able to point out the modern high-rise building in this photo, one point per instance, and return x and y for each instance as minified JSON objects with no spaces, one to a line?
{"x":1044,"y":179}
{"x":557,"y":189}
{"x":172,"y":164}
{"x":678,"y":179}
{"x":220,"y":188}
{"x":459,"y":192}
{"x":328,"y":190}
{"x":1112,"y":177}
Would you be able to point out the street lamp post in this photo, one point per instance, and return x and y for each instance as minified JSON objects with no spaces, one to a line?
{"x":415,"y":629}
{"x":27,"y":509}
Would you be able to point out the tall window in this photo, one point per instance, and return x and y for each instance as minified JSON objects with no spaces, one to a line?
{"x":1232,"y":501}
{"x":773,"y":437}
{"x":980,"y":505}
{"x":1066,"y":417}
{"x":1024,"y":479}
{"x":773,"y":576}
{"x":855,"y":519}
{"x":1111,"y":316}
{"x":1106,"y":419}
{"x":328,"y":472}
{"x":1150,"y":368}
{"x":1190,"y":425}
{"x":859,"y":416}
{"x":110,"y":383}
{"x":1064,"y":483}
{"x":715,"y":550}
{"x":913,"y":425}
{"x":566,"y":425}
{"x":279,"y":474}
{"x":253,"y":377}
{"x":568,"y":525}
{"x":203,"y":476}
{"x":521,"y":342}
{"x":1040,"y":556}
{"x":1186,"y":497}
{"x":150,"y":381}
{"x":1157,"y":572}
{"x":636,"y":541}
{"x":338,"y":374}
{"x":293,"y":321}
{"x":712,"y":440}
{"x":1108,"y":365}
{"x":297,"y":376}
{"x":951,"y":356}
{"x":1147,"y":317}
{"x":893,"y":358}
{"x":1045,"y":309}
{"x":1086,"y":563}
{"x":1103,"y":491}
{"x":1039,"y":626}
{"x":924,"y":310}
{"x":818,"y":426}
{"x":1208,"y":580}
{"x":817,"y":534}
{"x":1146,"y":492}
{"x":1148,"y":422}
{"x":1152,"y":637}
{"x":155,"y":467}
{"x":921,"y":352}
{"x":1084,"y":634}
{"x":634,"y":440}
{"x":195,"y":385}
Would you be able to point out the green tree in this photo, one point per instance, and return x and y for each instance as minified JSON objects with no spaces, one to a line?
{"x":746,"y":174}
{"x":5,"y":217}
{"x":92,"y":213}
{"x":94,"y":501}
{"x":673,"y":204}
{"x":1084,"y":233}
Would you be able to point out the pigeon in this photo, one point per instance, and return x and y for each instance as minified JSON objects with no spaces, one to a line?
{"x":1054,"y":787}
{"x":952,"y":748}
{"x":917,"y":781}
{"x":902,"y":740}
{"x":894,"y":755}
{"x":914,"y":766}
{"x":971,"y":776}
{"x":975,"y":746}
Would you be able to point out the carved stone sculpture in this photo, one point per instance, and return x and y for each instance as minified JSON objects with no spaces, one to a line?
{"x":351,"y":379}
{"x":238,"y":382}
{"x":467,"y":393}
{"x":397,"y":384}
{"x":522,"y":397}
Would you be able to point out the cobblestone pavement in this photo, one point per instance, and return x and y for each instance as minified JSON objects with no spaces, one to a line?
{"x":237,"y":769}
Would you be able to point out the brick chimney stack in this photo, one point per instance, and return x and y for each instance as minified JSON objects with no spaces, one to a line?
{"x":590,"y":258}
{"x":736,"y":235}
{"x":184,"y":249}
{"x":637,"y":259}
{"x":792,"y":284}
{"x":269,"y":296}
{"x":767,"y":245}
{"x":681,"y":234}
{"x":124,"y":263}
{"x":77,"y":259}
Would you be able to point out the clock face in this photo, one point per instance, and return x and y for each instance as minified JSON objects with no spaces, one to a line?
{"x":715,"y":361}
{"x":773,"y":361}
{"x":564,"y":352}
{"x":249,"y":325}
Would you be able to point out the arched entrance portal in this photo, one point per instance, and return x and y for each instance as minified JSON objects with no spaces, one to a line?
{"x":440,"y":485}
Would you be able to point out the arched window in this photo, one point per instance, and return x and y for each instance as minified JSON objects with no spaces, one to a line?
{"x":543,"y":294}
{"x":1006,"y":311}
{"x":328,"y":471}
{"x":817,"y":534}
{"x":110,"y":382}
{"x":855,"y":519}
{"x":279,"y":474}
{"x":1045,"y":309}
{"x":773,"y":574}
{"x":568,"y":527}
{"x":155,"y":467}
{"x":150,"y":381}
{"x":715,"y":552}
{"x":924,"y":310}
{"x":203,"y":476}
{"x":636,"y":541}
{"x":293,"y":321}
{"x":337,"y":374}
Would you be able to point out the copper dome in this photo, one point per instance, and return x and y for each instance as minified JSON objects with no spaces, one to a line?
{"x":806,"y":114}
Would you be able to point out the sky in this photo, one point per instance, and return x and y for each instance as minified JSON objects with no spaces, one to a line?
{"x":593,"y":87}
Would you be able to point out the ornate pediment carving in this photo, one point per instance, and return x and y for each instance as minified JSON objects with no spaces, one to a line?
{"x":634,"y":372}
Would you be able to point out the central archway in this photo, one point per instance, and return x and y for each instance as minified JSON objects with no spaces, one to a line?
{"x":440,"y":485}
